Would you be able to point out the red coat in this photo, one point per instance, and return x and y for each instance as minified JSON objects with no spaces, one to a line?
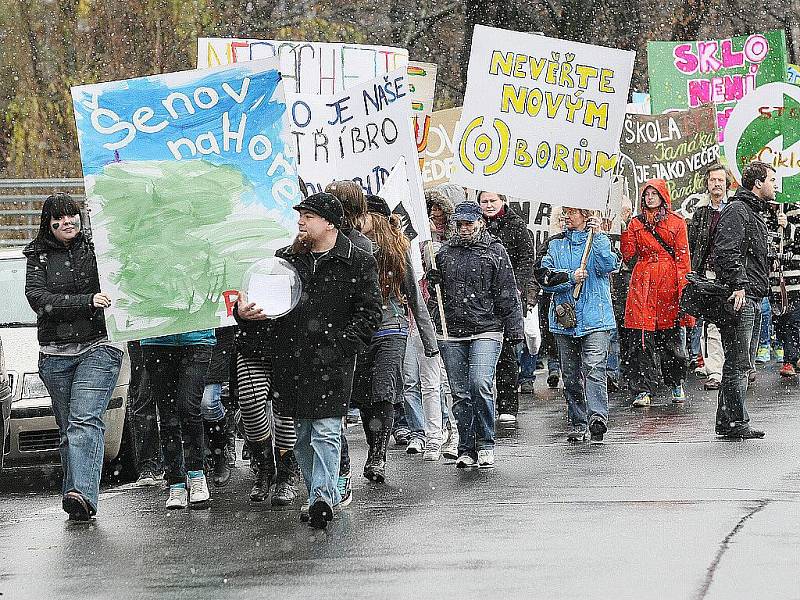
{"x":657,"y":279}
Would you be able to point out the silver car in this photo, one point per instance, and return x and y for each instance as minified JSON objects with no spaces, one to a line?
{"x":32,"y":436}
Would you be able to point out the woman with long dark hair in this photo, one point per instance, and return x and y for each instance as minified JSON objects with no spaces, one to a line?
{"x":378,"y":383}
{"x":77,"y":364}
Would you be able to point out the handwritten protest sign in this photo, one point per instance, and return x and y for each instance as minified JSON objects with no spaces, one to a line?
{"x":722,"y":72}
{"x":675,"y":146}
{"x":190,"y":178}
{"x":307,"y":67}
{"x":439,"y":151}
{"x":421,"y":85}
{"x":765,"y":126}
{"x":542,"y":117}
{"x":359,"y":134}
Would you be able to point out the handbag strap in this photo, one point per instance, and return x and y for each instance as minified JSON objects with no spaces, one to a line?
{"x":670,"y":250}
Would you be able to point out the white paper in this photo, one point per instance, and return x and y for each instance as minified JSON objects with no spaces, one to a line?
{"x":272,"y":293}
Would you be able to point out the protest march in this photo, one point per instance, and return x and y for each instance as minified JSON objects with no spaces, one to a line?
{"x":292,"y":249}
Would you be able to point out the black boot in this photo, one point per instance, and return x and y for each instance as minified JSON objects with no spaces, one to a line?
{"x":376,"y":470}
{"x":286,"y":482}
{"x":215,"y":434}
{"x":230,"y":438}
{"x":264,"y":460}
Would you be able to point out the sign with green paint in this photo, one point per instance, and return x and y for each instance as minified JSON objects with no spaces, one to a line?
{"x":766,"y":126}
{"x":191,"y":179}
{"x":722,"y":72}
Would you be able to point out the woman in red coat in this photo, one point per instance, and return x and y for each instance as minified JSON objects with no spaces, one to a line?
{"x":656,"y":238}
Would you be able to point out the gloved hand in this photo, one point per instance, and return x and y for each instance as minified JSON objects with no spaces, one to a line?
{"x":434,"y":277}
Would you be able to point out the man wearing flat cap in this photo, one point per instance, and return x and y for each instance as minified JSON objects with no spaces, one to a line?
{"x":315,"y":345}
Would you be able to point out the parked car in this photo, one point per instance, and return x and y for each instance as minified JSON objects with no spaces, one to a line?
{"x":5,"y":406}
{"x":32,"y":436}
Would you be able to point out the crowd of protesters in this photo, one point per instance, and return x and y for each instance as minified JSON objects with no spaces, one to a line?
{"x":434,"y":358}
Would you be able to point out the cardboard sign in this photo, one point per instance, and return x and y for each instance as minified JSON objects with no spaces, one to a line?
{"x":190,"y":178}
{"x":437,"y":167}
{"x":421,"y":85}
{"x":721,"y":72}
{"x":675,"y":146}
{"x":542,"y":117}
{"x":765,"y":126}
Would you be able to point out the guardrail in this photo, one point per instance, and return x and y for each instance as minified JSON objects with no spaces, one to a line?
{"x":21,"y":204}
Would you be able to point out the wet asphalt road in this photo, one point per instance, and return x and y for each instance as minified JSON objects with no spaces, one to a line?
{"x":661,"y":509}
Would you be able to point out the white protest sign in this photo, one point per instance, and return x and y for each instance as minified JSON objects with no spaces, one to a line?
{"x":307,"y":67}
{"x":422,"y":85}
{"x":359,"y":134}
{"x":542,"y":117}
{"x":410,"y":207}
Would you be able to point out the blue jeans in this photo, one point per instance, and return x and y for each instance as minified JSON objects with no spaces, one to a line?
{"x":80,"y":388}
{"x":765,"y":331}
{"x":317,"y":452}
{"x":211,"y":406}
{"x":177,"y":378}
{"x":470,"y":366}
{"x":527,"y":364}
{"x":412,"y":394}
{"x":584,"y":365}
{"x":737,"y":343}
{"x":787,"y":333}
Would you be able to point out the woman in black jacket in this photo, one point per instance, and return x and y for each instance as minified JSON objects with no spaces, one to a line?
{"x":481,"y":309}
{"x":507,"y":226}
{"x":77,"y":364}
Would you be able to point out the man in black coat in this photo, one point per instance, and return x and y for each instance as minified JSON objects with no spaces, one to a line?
{"x":317,"y":342}
{"x":740,"y":252}
{"x":507,"y":226}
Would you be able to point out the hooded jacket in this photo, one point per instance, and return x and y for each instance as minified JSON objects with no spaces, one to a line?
{"x":559,"y":258}
{"x":60,"y":282}
{"x":740,"y":245}
{"x":657,"y":279}
{"x":480,"y":293}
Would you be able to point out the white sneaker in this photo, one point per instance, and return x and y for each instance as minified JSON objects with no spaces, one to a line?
{"x":507,"y":418}
{"x":465,"y":461}
{"x":198,"y":487}
{"x":415,"y":446}
{"x":450,"y":447}
{"x":178,"y":496}
{"x":486,"y":459}
{"x":433,"y":452}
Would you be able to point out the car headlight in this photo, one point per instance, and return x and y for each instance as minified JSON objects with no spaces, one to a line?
{"x":33,"y":387}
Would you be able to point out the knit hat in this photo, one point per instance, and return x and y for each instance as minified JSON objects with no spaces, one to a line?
{"x":467,"y":211}
{"x":378,"y":205}
{"x":326,"y":206}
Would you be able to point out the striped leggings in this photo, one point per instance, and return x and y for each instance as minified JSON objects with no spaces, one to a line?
{"x":259,"y":419}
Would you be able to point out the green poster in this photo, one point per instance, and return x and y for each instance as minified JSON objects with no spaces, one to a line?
{"x":721,"y":72}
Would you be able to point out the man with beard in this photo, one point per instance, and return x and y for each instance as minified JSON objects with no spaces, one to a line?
{"x":701,"y":230}
{"x":315,"y":345}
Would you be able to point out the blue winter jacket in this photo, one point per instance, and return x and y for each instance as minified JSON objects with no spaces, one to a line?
{"x":559,"y":260}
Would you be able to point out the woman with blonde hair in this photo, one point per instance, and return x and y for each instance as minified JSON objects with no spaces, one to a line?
{"x":378,"y":382}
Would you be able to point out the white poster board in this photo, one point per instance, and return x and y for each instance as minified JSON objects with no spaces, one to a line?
{"x":542,"y":116}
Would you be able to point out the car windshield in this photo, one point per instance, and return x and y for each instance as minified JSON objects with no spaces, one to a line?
{"x":14,"y":308}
